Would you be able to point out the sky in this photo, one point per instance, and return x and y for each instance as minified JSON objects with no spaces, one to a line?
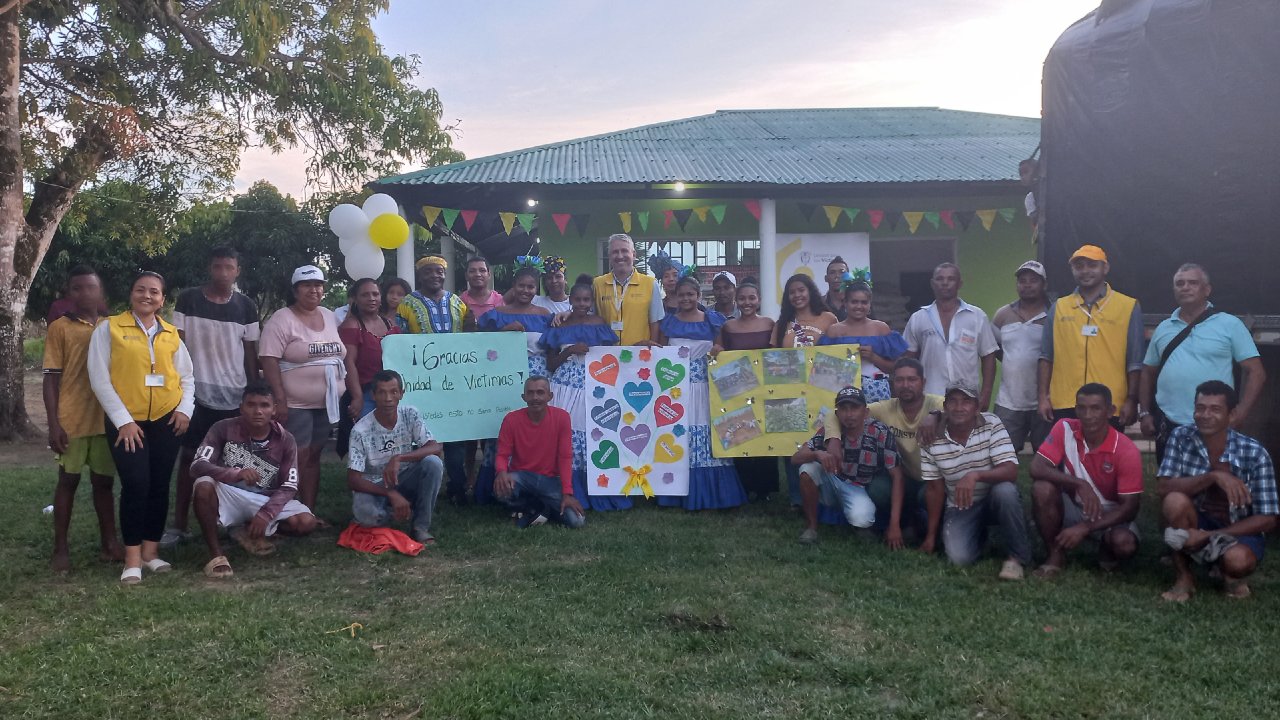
{"x":513,"y":75}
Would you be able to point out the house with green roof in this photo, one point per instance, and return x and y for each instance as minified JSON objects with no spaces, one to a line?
{"x":725,"y":190}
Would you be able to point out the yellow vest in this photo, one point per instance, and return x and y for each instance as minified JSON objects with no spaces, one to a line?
{"x":1080,"y":358}
{"x":636,"y":299}
{"x":131,"y":363}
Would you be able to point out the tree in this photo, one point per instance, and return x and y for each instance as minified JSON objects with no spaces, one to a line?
{"x":171,"y":92}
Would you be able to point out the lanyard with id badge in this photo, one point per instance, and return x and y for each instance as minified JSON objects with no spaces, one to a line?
{"x":153,"y":378}
{"x":616,"y":325}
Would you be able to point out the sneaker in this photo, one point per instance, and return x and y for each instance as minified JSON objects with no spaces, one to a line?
{"x":1011,"y":570}
{"x":528,"y":520}
{"x":172,"y":536}
{"x":809,"y":537}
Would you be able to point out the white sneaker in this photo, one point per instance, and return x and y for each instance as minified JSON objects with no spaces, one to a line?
{"x":1011,"y":570}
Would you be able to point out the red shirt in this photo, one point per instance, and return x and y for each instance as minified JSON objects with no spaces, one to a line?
{"x":545,"y":448}
{"x":1115,"y":466}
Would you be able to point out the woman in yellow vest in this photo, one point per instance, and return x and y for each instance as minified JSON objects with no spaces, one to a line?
{"x":141,"y":372}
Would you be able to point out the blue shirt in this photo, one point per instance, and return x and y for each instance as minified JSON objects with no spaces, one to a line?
{"x":1187,"y":456}
{"x":1206,"y":354}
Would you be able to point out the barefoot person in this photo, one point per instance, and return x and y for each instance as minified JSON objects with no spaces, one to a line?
{"x":535,"y":460}
{"x":1219,"y":490}
{"x":1087,"y":483}
{"x":246,"y":478}
{"x":394,"y":466}
{"x":76,"y":432}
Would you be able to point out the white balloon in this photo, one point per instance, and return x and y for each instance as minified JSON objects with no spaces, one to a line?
{"x":365,"y":261}
{"x":348,"y":221}
{"x":380,"y":204}
{"x":347,"y":242}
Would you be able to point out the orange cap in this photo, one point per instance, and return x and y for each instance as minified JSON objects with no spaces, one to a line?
{"x":1091,"y":252}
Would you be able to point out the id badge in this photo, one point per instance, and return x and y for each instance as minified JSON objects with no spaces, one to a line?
{"x":155,"y":380}
{"x":616,"y":325}
{"x":1089,"y":330}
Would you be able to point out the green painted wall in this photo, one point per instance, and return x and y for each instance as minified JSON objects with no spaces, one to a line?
{"x":987,"y":258}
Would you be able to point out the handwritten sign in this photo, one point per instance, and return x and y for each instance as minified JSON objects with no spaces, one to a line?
{"x":767,"y":402}
{"x":463,"y":383}
{"x":637,"y":439}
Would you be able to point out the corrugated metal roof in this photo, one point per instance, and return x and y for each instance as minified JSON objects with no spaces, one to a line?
{"x":783,"y":147}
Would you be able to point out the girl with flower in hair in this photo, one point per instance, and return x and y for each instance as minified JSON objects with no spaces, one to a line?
{"x":878,"y":345}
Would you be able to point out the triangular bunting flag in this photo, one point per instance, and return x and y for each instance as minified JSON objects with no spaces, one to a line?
{"x":806,"y":210}
{"x":833,"y":213}
{"x":526,"y":220}
{"x":625,"y":217}
{"x":450,"y":217}
{"x":701,"y":212}
{"x":561,"y":220}
{"x":964,"y":217}
{"x":987,"y":217}
{"x":508,"y":221}
{"x":913,"y":220}
{"x":893,"y":217}
{"x":430,"y":212}
{"x":667,"y":215}
{"x":932,"y":218}
{"x":753,"y":207}
{"x":643,"y":217}
{"x":851,"y":213}
{"x":947,"y":219}
{"x":580,"y":224}
{"x":876,"y":217}
{"x":1006,"y":213}
{"x":682,"y":216}
{"x":468,"y":217}
{"x":717,"y":212}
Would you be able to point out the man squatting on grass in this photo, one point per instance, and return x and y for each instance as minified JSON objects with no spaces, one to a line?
{"x":535,"y":460}
{"x":246,"y":477}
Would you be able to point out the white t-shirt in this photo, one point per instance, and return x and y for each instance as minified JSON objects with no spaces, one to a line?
{"x":373,"y":445}
{"x":554,"y":306}
{"x":956,"y":357}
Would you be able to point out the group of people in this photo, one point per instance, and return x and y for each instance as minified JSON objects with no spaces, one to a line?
{"x":250,"y":409}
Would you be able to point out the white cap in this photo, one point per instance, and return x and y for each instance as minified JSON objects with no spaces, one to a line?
{"x":727,"y":275}
{"x":1033,"y":266}
{"x":305,"y":273}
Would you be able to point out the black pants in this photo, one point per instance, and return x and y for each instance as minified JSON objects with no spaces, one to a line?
{"x":759,"y":475}
{"x":144,"y":479}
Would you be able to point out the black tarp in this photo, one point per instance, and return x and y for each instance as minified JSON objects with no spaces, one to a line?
{"x":1161,"y":143}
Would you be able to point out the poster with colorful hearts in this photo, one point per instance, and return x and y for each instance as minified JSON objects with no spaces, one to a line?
{"x":637,"y":439}
{"x":768,"y":402}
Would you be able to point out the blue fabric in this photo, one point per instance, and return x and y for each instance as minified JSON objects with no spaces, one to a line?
{"x":1185,"y":455}
{"x":496,"y":320}
{"x":439,"y":312}
{"x":674,"y":327}
{"x":599,"y":503}
{"x":554,"y":338}
{"x":891,"y":346}
{"x":487,"y":473}
{"x":713,"y":482}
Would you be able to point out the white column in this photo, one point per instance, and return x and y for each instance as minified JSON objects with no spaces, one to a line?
{"x":404,"y":258}
{"x":446,"y":251}
{"x":769,"y":306}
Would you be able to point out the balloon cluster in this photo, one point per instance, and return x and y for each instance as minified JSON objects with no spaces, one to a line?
{"x":364,"y":232}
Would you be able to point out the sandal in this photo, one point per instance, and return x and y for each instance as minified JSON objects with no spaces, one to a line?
{"x":1236,"y":589}
{"x":260,"y":547}
{"x":218,"y":568}
{"x":1178,"y":594}
{"x":1047,"y":572}
{"x":156,"y":565}
{"x":131,"y":576}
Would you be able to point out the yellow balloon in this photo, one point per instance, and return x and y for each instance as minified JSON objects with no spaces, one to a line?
{"x":388,"y":231}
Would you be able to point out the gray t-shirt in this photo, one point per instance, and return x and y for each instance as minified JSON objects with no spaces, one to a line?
{"x":373,"y":445}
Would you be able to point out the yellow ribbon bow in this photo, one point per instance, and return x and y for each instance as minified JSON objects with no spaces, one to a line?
{"x":637,"y":479}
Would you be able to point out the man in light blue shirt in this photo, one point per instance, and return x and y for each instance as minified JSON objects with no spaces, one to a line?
{"x":1208,"y":353}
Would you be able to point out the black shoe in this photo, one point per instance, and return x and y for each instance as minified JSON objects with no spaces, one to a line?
{"x":530,"y":519}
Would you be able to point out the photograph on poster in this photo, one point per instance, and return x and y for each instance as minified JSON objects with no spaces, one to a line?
{"x":784,"y":367}
{"x":787,"y":415}
{"x":831,"y":373}
{"x":737,"y":427}
{"x":735,"y":378}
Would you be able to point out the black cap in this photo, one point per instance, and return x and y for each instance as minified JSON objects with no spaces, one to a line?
{"x":850,"y":394}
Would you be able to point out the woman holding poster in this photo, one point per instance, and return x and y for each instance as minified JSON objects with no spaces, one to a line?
{"x":521,"y":315}
{"x":751,"y":331}
{"x":878,"y":345}
{"x":566,"y":346}
{"x":713,"y":482}
{"x":804,"y":317}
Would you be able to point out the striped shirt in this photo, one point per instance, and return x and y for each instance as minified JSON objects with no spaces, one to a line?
{"x":988,"y":446}
{"x":1187,"y":456}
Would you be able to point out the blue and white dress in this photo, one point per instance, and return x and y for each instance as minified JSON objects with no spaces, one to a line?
{"x":875,"y":383}
{"x":713,"y":482}
{"x":534,"y":325}
{"x":568,"y":384}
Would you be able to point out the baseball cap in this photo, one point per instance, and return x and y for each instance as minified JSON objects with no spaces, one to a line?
{"x":1033,"y":266}
{"x":1090,"y":252}
{"x":733,"y":279}
{"x":965,"y":388}
{"x":306,"y":273}
{"x":850,"y":394}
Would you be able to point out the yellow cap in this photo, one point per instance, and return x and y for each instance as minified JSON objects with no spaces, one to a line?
{"x":432,"y":260}
{"x":1090,"y":252}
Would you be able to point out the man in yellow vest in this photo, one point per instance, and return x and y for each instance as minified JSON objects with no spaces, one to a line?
{"x":1092,"y":335}
{"x":629,"y":301}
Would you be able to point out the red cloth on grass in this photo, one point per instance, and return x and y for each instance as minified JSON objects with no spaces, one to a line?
{"x":378,"y":540}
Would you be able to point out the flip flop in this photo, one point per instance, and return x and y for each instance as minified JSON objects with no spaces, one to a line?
{"x":261,"y":547}
{"x":218,"y":568}
{"x":1047,"y":572}
{"x":156,"y":565}
{"x":1236,"y":589}
{"x":131,"y":576}
{"x":1177,"y":594}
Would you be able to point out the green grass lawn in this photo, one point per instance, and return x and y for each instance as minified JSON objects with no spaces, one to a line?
{"x":649,"y":613}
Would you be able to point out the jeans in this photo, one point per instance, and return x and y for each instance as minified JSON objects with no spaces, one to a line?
{"x":880,"y":490}
{"x":852,"y":499}
{"x":144,"y":479}
{"x":542,"y":493}
{"x":419,"y":483}
{"x":964,"y":531}
{"x":793,"y":483}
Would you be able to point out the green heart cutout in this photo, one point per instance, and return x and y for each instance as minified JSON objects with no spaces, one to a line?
{"x":669,"y":374}
{"x":606,"y":457}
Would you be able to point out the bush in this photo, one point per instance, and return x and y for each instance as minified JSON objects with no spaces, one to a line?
{"x":33,"y":353}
